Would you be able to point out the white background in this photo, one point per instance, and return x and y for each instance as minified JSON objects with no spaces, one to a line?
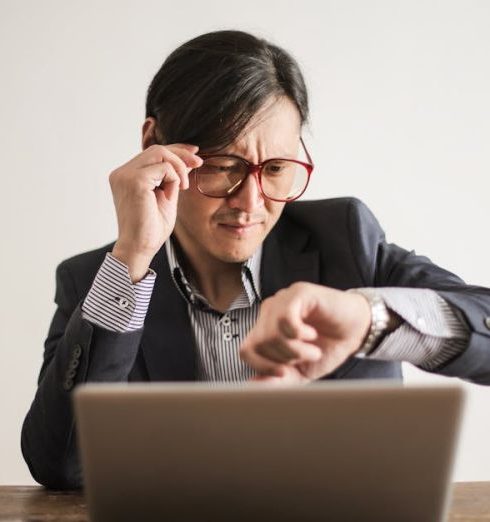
{"x":400,"y":118}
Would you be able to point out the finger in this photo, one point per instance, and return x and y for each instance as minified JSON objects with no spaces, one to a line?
{"x":259,"y":363}
{"x":161,"y":175}
{"x":271,"y":379}
{"x":291,"y":376}
{"x":167,"y":193}
{"x":159,"y":153}
{"x":190,"y":159}
{"x":179,"y":164}
{"x":290,"y":352}
{"x":179,"y":167}
{"x":184,"y":164}
{"x":296,"y":329}
{"x":274,"y":352}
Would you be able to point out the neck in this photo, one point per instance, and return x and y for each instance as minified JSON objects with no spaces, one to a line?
{"x":219,"y":282}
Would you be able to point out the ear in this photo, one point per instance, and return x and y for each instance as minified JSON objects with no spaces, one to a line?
{"x":150,"y":133}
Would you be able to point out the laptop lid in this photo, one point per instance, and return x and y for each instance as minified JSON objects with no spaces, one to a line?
{"x":349,"y":450}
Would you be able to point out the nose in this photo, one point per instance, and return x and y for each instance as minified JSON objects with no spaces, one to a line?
{"x":248,"y":197}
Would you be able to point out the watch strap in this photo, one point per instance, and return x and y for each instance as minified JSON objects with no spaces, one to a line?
{"x":380,"y":318}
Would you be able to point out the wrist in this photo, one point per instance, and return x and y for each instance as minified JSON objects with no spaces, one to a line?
{"x":136,"y":262}
{"x":382,"y":321}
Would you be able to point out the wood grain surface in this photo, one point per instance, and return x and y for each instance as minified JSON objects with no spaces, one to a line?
{"x":470,"y":503}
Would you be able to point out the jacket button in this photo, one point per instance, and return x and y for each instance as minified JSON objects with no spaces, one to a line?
{"x":68,"y":385}
{"x":70,"y":374}
{"x":77,"y":351}
{"x":487,"y":322}
{"x":74,"y":363}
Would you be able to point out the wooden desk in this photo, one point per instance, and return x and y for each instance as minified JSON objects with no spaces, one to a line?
{"x":471,"y":502}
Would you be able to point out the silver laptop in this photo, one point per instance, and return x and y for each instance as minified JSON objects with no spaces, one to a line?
{"x":343,"y":451}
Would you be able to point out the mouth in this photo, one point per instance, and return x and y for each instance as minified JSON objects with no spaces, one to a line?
{"x":240,"y":228}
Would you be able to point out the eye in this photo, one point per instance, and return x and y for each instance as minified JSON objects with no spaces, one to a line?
{"x":276,"y":167}
{"x":222,"y":168}
{"x":221,"y":165}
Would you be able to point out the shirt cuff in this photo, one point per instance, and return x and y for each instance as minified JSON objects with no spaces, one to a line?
{"x":113,"y":301}
{"x":432,"y":332}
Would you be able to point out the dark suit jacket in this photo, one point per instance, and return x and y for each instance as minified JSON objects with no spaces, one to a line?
{"x":336,"y":242}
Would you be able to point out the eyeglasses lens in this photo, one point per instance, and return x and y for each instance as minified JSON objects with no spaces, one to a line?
{"x":220,"y":176}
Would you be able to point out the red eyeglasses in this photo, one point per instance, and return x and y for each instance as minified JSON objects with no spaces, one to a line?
{"x":279,"y":179}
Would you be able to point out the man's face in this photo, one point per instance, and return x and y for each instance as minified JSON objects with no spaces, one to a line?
{"x":231,"y":229}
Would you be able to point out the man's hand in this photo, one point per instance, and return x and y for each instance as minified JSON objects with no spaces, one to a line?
{"x":145,"y":192}
{"x":305,"y":332}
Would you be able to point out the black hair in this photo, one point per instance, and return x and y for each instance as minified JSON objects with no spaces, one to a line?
{"x":209,"y":88}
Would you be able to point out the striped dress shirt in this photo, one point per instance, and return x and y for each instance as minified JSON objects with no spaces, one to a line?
{"x":217,"y":335}
{"x":431,"y":333}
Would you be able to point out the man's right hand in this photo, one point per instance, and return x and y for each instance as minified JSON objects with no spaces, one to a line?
{"x":145,"y":192}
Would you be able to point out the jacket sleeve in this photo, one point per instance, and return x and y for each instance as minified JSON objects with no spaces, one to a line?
{"x":75,"y":351}
{"x":384,"y":264}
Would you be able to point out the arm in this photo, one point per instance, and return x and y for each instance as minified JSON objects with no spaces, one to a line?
{"x":98,"y":339}
{"x":384,"y":264}
{"x":76,"y":350}
{"x":308,"y":330}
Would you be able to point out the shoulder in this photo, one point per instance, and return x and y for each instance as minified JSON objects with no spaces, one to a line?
{"x":317,"y":208}
{"x":348,"y":214}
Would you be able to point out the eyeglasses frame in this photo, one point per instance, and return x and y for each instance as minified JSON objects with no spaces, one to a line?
{"x":256,"y":170}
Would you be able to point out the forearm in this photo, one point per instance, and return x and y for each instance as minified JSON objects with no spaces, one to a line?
{"x":382,"y":264}
{"x":82,"y":349}
{"x":425,"y":330}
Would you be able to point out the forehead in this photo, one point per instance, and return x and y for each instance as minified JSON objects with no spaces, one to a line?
{"x":273,"y":132}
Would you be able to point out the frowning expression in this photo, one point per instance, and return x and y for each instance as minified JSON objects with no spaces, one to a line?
{"x":231,"y":229}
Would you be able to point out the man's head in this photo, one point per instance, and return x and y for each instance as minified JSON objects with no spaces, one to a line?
{"x":232,"y":93}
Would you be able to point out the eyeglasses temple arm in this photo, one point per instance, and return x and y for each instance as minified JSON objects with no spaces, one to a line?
{"x":307,"y":153}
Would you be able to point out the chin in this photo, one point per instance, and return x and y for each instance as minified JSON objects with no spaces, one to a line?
{"x":236,"y":255}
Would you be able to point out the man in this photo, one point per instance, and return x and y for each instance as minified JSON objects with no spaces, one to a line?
{"x":217,"y":275}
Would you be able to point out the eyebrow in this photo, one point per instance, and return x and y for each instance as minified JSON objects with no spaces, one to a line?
{"x":231,"y":153}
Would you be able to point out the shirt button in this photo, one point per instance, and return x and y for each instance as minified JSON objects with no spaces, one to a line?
{"x":122,"y":302}
{"x":487,"y":322}
{"x":226,"y":321}
{"x":227,"y":336}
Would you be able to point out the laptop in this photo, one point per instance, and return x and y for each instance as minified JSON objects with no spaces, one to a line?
{"x":336,"y":451}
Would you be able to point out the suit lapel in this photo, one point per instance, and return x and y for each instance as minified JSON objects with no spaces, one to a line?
{"x":286,"y":260}
{"x":168,"y":343}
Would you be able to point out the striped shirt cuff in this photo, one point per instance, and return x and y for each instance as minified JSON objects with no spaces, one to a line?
{"x":432,"y":332}
{"x":113,"y":301}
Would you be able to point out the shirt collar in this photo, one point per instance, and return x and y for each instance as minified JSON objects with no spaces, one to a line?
{"x":250,"y":279}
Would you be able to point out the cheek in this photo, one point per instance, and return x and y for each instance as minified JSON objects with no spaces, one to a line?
{"x":195,"y":209}
{"x":274,"y":209}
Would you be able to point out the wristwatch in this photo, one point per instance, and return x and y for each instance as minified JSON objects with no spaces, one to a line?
{"x":380,"y":318}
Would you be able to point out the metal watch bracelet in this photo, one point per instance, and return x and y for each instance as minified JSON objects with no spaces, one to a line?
{"x":379,"y":320}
